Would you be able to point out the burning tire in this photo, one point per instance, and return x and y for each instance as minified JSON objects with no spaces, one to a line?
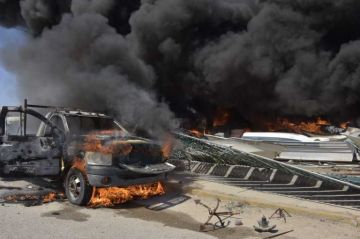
{"x":77,"y":189}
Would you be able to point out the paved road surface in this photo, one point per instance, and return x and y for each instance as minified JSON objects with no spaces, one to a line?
{"x":61,"y":220}
{"x":174,"y":215}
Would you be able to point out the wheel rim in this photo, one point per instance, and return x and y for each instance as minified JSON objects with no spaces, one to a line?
{"x":74,"y":187}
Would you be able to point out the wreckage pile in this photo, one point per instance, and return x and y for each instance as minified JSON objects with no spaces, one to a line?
{"x":203,"y":150}
{"x":230,"y":163}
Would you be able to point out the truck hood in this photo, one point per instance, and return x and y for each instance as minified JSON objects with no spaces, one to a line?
{"x":128,"y":150}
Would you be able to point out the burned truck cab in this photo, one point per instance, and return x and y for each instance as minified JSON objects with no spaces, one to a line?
{"x":88,"y":149}
{"x":99,"y":152}
{"x":21,"y":150}
{"x":107,"y":148}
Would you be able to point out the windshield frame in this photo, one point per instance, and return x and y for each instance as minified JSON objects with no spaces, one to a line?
{"x":116,"y":123}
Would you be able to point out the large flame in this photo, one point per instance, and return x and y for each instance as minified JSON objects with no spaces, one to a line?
{"x":317,"y":125}
{"x":314,"y":126}
{"x":111,"y":196}
{"x":93,"y":143}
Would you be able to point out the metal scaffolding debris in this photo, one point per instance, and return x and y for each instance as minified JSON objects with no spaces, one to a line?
{"x":215,"y":161}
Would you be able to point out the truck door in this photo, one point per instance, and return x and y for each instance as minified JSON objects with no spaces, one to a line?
{"x":21,"y":150}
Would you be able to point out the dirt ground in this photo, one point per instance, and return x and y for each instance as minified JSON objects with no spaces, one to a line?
{"x":304,"y":226}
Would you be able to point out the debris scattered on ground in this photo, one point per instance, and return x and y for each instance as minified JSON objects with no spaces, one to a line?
{"x":239,"y":222}
{"x":213,"y":212}
{"x":280,"y":213}
{"x":264,"y":225}
{"x":234,"y":206}
{"x":279,"y":234}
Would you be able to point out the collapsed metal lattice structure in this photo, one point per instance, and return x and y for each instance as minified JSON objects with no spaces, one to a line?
{"x":262,"y":173}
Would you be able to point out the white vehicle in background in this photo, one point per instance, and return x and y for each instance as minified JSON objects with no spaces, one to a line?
{"x":281,"y":137}
{"x":295,"y":147}
{"x":333,"y":148}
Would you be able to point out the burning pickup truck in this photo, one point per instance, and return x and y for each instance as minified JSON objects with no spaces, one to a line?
{"x":86,"y":149}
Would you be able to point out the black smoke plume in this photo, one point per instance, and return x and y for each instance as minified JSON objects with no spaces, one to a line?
{"x":145,"y":59}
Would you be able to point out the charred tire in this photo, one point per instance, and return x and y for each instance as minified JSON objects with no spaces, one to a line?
{"x":77,"y":189}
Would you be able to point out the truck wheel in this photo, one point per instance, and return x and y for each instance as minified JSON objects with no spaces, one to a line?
{"x":77,"y":189}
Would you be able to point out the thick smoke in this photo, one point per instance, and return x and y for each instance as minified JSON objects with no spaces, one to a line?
{"x":246,"y":68}
{"x":167,"y":34}
{"x":40,"y":14}
{"x":269,"y":59}
{"x":263,"y":58}
{"x":82,"y":62}
{"x":10,"y":13}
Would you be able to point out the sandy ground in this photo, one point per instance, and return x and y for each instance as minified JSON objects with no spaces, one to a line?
{"x":175,"y":215}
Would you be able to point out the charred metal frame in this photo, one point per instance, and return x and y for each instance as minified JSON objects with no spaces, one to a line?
{"x":217,"y":159}
{"x":213,"y":212}
{"x":119,"y":174}
{"x":280,"y":213}
{"x":27,"y":105}
{"x":22,"y":110}
{"x":25,"y":109}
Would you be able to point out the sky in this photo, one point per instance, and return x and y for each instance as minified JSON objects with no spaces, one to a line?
{"x":8,"y":91}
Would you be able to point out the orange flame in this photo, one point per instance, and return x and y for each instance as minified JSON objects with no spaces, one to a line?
{"x":345,"y":125}
{"x":285,"y":124}
{"x":196,"y":133}
{"x":221,"y":118}
{"x":17,"y":198}
{"x":109,"y":197}
{"x":79,"y":164}
{"x":167,"y":146}
{"x":93,"y":144}
{"x":50,"y":197}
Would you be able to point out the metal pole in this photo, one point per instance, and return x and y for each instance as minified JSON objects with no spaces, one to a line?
{"x":25,"y":108}
{"x":279,"y":234}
